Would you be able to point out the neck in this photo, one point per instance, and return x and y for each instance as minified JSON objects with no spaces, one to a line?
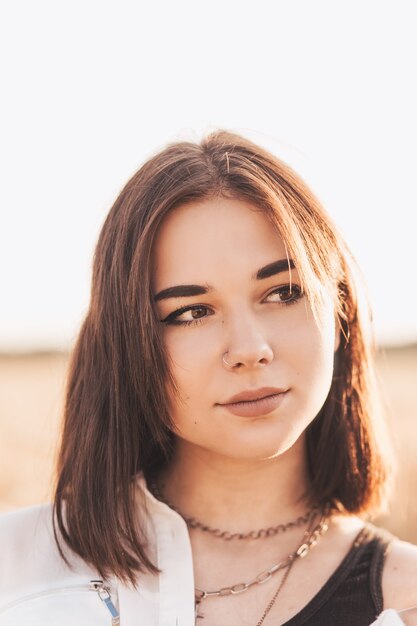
{"x":235,"y":494}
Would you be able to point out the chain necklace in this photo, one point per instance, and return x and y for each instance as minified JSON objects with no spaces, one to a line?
{"x":314,"y":536}
{"x":271,"y":531}
{"x":311,"y":538}
{"x":276,"y":594}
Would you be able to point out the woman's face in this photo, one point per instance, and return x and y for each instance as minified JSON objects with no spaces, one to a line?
{"x":223,"y":288}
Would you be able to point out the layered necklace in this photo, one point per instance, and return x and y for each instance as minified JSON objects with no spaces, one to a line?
{"x":315,"y":530}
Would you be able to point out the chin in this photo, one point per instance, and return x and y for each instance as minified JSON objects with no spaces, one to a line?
{"x":272,"y":448}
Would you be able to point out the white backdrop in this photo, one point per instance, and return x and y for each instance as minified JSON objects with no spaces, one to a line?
{"x":91,"y":88}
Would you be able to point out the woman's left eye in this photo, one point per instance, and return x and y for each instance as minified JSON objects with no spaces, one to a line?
{"x":285,"y":294}
{"x":188,"y":315}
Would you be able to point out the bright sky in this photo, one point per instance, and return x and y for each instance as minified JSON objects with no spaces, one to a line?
{"x":91,"y":88}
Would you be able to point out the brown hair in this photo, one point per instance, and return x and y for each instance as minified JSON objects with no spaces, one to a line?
{"x":116,"y":420}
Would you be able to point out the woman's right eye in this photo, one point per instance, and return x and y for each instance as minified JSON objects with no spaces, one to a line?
{"x":188,"y":315}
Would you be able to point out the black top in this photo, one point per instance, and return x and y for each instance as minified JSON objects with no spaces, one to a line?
{"x":353,"y":594}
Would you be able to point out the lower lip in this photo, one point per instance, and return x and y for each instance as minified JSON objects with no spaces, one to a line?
{"x":256,"y":408}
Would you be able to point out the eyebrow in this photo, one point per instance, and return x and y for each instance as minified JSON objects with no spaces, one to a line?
{"x":185,"y":291}
{"x":283,"y":265}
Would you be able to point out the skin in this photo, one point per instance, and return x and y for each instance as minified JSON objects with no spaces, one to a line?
{"x":271,"y":338}
{"x":240,"y":473}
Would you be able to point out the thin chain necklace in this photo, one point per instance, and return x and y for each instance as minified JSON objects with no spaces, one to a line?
{"x":271,"y":531}
{"x":314,"y":536}
{"x":311,"y":537}
{"x":276,"y":594}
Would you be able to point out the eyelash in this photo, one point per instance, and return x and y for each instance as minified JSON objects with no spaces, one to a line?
{"x":171,"y":319}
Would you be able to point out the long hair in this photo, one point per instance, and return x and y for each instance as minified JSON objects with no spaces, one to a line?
{"x":116,"y":416}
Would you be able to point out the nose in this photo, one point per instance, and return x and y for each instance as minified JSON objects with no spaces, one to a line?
{"x":247,"y":347}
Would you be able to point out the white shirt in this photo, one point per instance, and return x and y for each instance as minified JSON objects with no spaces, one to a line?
{"x":37,"y":588}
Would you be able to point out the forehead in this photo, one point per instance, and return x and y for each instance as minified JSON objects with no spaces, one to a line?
{"x":213,"y":235}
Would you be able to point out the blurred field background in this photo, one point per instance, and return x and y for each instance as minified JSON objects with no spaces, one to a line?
{"x":31,"y":396}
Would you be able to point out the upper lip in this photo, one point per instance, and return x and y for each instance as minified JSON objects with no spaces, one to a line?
{"x":254,"y":394}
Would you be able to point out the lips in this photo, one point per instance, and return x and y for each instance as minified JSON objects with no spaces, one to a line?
{"x":253,"y":394}
{"x":255,"y":403}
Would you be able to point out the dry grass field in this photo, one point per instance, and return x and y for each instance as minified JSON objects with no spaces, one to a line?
{"x":31,"y":393}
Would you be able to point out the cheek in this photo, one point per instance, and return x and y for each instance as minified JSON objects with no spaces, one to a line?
{"x":185,"y":344}
{"x":307,"y":338}
{"x":192,"y":363}
{"x":190,"y":348}
{"x":315,"y":353}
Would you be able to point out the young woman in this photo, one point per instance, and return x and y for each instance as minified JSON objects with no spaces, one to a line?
{"x":218,"y":453}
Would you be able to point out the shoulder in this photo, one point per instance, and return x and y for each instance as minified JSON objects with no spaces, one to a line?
{"x":30,"y":559}
{"x":23,"y":516}
{"x":399,"y":579}
{"x":20,"y":528}
{"x":26,"y":540}
{"x":37,"y":586}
